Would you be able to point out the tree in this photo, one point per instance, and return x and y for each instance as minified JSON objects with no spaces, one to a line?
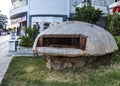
{"x":1,"y":27}
{"x":3,"y":21}
{"x":87,"y":14}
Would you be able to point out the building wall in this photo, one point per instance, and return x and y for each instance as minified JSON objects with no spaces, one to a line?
{"x":59,"y":10}
{"x":102,"y":5}
{"x":110,"y":1}
{"x":18,"y":10}
{"x":41,"y":11}
{"x":48,"y":7}
{"x":42,"y":20}
{"x":47,"y":11}
{"x":72,"y":6}
{"x":98,"y":4}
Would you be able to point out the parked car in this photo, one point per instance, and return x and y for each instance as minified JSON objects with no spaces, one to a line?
{"x":3,"y":33}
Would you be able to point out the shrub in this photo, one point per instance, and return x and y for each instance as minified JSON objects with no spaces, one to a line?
{"x":28,"y":39}
{"x":116,"y":58}
{"x":113,"y":24}
{"x":87,"y":14}
{"x":117,"y":38}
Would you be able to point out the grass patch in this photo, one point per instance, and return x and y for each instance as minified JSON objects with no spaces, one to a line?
{"x":31,"y":71}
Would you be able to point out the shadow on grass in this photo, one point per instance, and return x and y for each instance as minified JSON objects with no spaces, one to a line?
{"x":106,"y":60}
{"x":39,"y":83}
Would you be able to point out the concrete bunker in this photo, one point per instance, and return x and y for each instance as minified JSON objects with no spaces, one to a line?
{"x":73,"y":44}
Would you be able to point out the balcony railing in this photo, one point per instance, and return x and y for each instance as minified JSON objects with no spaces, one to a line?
{"x":100,"y":2}
{"x":18,"y":4}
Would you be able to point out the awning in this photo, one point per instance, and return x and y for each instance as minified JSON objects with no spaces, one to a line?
{"x":116,"y":9}
{"x":20,"y":18}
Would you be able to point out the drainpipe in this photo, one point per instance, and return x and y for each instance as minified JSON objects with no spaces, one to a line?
{"x":68,"y":8}
{"x":28,"y":14}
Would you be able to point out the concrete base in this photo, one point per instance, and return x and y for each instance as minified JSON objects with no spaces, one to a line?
{"x":24,"y":50}
{"x":60,"y":63}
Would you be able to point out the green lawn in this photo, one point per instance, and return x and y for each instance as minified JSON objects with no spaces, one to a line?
{"x":31,"y":71}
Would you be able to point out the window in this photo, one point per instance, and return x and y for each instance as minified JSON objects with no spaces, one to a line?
{"x":46,"y":25}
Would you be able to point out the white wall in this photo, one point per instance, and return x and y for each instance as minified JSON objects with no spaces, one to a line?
{"x":72,"y":8}
{"x":48,"y":7}
{"x":42,"y":20}
{"x":110,"y":1}
{"x":19,"y":10}
{"x":103,"y":9}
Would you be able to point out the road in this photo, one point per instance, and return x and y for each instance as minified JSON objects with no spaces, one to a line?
{"x":4,"y":38}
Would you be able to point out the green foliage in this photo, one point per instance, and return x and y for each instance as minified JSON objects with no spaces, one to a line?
{"x":110,"y":78}
{"x":117,"y":57}
{"x":9,"y":29}
{"x":1,"y":26}
{"x":28,"y":39}
{"x":6,"y":30}
{"x":87,"y":14}
{"x":89,"y":2}
{"x":108,"y":20}
{"x":14,"y":29}
{"x":113,"y":24}
{"x":117,"y":38}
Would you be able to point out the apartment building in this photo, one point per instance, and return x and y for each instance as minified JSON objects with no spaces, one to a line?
{"x":46,"y":13}
{"x":98,"y":4}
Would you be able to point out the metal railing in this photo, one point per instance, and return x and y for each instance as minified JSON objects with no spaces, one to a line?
{"x":100,"y":2}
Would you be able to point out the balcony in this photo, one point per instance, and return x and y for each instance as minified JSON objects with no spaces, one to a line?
{"x":18,"y":4}
{"x":102,"y":3}
{"x":18,"y":7}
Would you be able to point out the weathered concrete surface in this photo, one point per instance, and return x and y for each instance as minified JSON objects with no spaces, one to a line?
{"x":99,"y":41}
{"x":60,"y":63}
{"x":24,"y":51}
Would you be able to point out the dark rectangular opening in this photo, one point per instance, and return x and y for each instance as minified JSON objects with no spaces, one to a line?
{"x":62,"y":41}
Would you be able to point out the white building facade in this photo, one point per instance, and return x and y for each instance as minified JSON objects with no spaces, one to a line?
{"x":98,"y":4}
{"x":44,"y":12}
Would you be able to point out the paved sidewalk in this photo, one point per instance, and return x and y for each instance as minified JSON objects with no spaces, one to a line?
{"x":4,"y":63}
{"x":6,"y":57}
{"x":4,"y":38}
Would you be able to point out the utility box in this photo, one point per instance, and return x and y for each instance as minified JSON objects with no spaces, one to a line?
{"x":13,"y":45}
